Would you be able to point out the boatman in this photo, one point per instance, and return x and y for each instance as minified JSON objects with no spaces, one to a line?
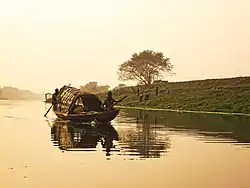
{"x":54,"y":98}
{"x":109,"y":102}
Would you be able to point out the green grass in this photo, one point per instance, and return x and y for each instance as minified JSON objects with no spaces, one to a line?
{"x":230,"y":95}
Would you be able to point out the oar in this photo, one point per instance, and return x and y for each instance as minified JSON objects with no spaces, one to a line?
{"x":48,"y":111}
{"x":119,"y":101}
{"x":112,"y":106}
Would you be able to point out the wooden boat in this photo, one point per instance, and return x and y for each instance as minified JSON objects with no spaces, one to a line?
{"x":87,"y":117}
{"x":83,"y":107}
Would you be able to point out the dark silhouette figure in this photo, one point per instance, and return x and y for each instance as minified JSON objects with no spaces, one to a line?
{"x":156,"y":90}
{"x":141,"y":97}
{"x":54,"y":99}
{"x":109,"y":102}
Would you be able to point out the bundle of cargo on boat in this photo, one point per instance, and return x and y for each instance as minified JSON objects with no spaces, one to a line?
{"x":72,"y":104}
{"x":48,"y":97}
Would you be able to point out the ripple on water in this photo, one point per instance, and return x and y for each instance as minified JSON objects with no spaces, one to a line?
{"x":14,"y":117}
{"x":190,"y":145}
{"x":147,"y":138}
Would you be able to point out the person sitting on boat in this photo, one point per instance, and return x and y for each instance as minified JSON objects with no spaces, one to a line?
{"x":109,"y":102}
{"x":54,"y":98}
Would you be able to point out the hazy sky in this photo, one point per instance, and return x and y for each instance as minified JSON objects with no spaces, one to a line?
{"x":47,"y":43}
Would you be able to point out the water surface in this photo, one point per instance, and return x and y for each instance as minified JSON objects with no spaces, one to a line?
{"x":138,"y":149}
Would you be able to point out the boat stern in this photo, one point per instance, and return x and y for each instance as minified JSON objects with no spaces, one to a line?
{"x":107,"y":116}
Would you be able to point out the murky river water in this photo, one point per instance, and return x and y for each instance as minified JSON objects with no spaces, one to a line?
{"x":140,"y":149}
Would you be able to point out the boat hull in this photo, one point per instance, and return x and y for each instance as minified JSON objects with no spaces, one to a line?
{"x":100,"y":117}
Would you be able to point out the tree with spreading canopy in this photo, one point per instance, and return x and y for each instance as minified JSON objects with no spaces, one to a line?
{"x":145,"y":67}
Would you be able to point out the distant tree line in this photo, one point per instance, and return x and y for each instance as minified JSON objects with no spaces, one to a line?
{"x":93,"y":87}
{"x":12,"y":93}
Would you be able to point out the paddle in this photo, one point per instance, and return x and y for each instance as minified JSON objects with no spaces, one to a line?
{"x":119,"y":101}
{"x":48,"y":111}
{"x":111,"y":106}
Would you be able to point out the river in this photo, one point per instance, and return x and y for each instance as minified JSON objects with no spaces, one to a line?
{"x":140,"y":150}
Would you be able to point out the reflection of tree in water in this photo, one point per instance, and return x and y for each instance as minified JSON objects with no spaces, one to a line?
{"x":209,"y":125}
{"x":71,"y":136}
{"x":144,"y":140}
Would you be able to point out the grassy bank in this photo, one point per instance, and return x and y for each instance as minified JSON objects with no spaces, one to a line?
{"x":231,"y":95}
{"x":181,"y":111}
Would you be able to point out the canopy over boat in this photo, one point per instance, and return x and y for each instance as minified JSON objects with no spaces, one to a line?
{"x":68,"y":97}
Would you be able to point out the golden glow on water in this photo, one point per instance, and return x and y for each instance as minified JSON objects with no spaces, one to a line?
{"x":146,"y":154}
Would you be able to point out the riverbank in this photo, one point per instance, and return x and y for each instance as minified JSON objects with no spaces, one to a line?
{"x":228,"y":96}
{"x":180,"y":111}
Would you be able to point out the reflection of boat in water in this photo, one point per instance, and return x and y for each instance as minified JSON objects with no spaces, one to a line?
{"x":71,"y":136}
{"x":48,"y":97}
{"x":85,"y":107}
{"x":142,"y":140}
